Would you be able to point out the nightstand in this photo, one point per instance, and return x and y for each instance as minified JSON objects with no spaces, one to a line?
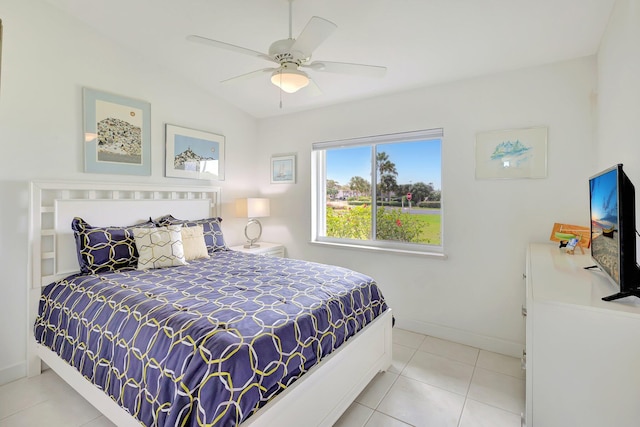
{"x":266,"y":248}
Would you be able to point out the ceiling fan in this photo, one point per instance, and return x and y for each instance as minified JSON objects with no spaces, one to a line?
{"x":293,"y":54}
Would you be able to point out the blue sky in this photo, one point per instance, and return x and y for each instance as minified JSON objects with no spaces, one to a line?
{"x":202,"y":147}
{"x":415,"y":162}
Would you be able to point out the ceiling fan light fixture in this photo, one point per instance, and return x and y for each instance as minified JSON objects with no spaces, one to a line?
{"x":289,"y":80}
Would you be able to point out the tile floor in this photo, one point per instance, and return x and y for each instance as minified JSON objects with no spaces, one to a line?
{"x":438,"y":383}
{"x":431,"y":382}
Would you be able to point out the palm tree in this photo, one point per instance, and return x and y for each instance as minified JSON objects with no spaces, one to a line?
{"x":388,"y":183}
{"x":386,"y":173}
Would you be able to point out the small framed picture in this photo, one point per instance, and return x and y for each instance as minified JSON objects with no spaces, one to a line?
{"x":194,"y":154}
{"x":117,"y":134}
{"x":283,"y":169}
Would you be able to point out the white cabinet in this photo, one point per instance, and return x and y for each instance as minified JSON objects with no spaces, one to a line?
{"x":265,"y":248}
{"x":582,"y":353}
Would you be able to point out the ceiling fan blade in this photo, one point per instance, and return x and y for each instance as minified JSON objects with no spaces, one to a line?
{"x":250,"y":75}
{"x":315,"y":32}
{"x":347,"y":68}
{"x":229,"y":46}
{"x":313,"y":89}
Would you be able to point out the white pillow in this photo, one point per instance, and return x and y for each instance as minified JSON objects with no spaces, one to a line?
{"x":193,"y":242}
{"x":159,"y":247}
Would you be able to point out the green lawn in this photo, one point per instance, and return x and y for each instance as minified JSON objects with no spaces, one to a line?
{"x":431,"y":233}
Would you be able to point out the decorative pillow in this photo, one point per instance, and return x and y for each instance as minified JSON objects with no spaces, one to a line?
{"x":159,"y":247}
{"x":213,"y":237}
{"x":102,"y":249}
{"x":193,"y":243}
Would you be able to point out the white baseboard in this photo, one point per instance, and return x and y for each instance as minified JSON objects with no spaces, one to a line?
{"x":13,"y":372}
{"x":496,"y":345}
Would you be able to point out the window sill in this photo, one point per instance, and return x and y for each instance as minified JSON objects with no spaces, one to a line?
{"x":435,"y":255}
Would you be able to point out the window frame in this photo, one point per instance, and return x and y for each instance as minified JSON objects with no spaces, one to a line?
{"x":319,"y":194}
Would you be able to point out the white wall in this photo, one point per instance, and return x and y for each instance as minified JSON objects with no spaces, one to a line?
{"x":475,"y":295}
{"x":47,"y":58}
{"x":618,"y":129}
{"x":618,"y":126}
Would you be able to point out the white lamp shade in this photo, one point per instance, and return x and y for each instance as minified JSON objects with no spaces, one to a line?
{"x":290,"y":80}
{"x":252,"y":208}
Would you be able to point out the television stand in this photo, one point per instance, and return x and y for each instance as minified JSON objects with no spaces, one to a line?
{"x":634,"y":293}
{"x":631,"y":293}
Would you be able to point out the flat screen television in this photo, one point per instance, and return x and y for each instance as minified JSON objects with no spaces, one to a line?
{"x":613,"y":230}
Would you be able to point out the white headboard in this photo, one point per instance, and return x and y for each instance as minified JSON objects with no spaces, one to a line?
{"x":54,"y":204}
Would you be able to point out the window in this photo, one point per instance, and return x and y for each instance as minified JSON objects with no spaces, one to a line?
{"x":381,"y":191}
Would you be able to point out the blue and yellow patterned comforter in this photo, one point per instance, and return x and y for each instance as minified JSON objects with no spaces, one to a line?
{"x":207,"y":343}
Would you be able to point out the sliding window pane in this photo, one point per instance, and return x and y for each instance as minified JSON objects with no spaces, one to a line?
{"x":348,"y":193}
{"x":408,"y":192}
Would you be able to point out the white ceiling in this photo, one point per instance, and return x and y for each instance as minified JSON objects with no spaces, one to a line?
{"x":421,"y":42}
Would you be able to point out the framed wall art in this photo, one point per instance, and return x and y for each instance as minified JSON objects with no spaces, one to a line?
{"x":117,"y":134}
{"x":283,"y":169}
{"x":512,"y":154}
{"x":194,"y":154}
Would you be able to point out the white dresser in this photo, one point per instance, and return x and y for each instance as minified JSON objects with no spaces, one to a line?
{"x":582,"y":353}
{"x":265,"y":248}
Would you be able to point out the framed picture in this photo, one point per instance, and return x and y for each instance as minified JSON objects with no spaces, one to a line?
{"x":117,"y":134}
{"x":512,"y":154}
{"x":194,"y":154}
{"x":283,"y":169}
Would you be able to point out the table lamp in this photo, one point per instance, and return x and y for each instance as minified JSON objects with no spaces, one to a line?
{"x":252,"y":208}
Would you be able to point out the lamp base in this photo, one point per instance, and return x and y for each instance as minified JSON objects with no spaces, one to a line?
{"x":251,"y":235}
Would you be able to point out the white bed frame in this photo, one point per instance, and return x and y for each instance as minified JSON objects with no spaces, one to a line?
{"x":317,"y":399}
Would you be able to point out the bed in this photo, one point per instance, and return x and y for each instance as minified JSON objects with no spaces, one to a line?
{"x":310,"y":394}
